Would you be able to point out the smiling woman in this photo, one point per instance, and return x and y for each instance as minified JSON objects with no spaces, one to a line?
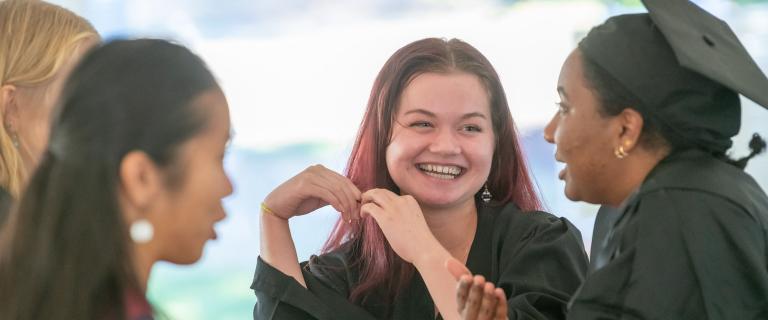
{"x":442,"y":144}
{"x":436,"y":173}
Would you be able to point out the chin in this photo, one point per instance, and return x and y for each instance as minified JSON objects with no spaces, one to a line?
{"x":188,"y":258}
{"x":440,"y":201}
{"x":572,"y":194}
{"x":575,"y":195}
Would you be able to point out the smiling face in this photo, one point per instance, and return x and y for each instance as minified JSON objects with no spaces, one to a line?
{"x":584,"y":138}
{"x":188,"y":211}
{"x":442,"y":141}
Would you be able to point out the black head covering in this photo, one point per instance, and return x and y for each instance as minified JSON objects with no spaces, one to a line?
{"x":684,"y":65}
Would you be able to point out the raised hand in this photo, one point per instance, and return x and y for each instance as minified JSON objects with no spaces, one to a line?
{"x":309,"y":190}
{"x":402,"y":222}
{"x":476,"y":298}
{"x":313,"y":188}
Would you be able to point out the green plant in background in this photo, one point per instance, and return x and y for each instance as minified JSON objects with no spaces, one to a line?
{"x":635,"y":3}
{"x":750,"y":1}
{"x":194,"y":293}
{"x":629,"y":3}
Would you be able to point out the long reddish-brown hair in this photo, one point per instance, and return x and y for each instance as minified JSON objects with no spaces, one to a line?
{"x":382,"y":272}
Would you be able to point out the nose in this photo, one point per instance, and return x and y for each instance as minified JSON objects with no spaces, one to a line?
{"x":445,"y":143}
{"x":549,"y":130}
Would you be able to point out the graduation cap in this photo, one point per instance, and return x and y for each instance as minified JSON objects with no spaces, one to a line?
{"x":705,"y":44}
{"x":684,"y":65}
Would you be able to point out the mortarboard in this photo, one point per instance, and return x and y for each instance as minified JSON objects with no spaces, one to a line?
{"x":684,"y":65}
{"x":705,"y":44}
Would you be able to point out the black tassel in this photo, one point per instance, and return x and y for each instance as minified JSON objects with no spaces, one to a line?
{"x":756,"y":145}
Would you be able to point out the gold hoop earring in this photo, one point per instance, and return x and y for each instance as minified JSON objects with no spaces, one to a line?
{"x":620,"y":153}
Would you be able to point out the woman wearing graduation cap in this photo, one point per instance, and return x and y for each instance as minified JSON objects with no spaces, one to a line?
{"x":649,"y":104}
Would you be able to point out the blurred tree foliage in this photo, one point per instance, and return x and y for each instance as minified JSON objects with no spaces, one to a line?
{"x":632,"y":3}
{"x":635,"y":3}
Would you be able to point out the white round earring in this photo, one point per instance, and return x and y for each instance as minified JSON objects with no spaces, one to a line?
{"x":142,"y":231}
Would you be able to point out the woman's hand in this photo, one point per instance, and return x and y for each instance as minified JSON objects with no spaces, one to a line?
{"x":476,"y":298}
{"x":401,"y":220}
{"x":311,"y":189}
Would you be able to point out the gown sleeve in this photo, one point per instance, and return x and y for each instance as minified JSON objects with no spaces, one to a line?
{"x":280,"y":296}
{"x":691,"y":255}
{"x":542,"y":263}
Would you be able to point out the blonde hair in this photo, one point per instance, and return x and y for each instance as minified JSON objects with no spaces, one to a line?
{"x":36,"y":40}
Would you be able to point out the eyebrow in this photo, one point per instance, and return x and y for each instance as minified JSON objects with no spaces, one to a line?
{"x":561,"y":91}
{"x":421,"y":111}
{"x":431,"y":114}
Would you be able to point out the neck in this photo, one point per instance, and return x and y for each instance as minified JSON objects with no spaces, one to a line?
{"x":453,"y":227}
{"x":142,"y":264}
{"x":28,"y":164}
{"x":636,"y":169}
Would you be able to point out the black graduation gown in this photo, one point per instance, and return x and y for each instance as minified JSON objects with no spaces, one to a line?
{"x":604,"y":221}
{"x":691,"y":243}
{"x":537,"y":258}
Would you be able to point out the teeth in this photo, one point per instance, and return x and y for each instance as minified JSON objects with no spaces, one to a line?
{"x":440,"y":176}
{"x":438,"y":170}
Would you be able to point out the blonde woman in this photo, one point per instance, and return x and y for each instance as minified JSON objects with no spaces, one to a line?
{"x":40,"y":43}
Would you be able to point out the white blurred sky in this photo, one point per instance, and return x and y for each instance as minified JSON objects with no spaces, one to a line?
{"x":300,"y":71}
{"x":314,"y":83}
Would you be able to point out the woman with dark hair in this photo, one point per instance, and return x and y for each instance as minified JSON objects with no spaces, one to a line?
{"x":132,"y":176}
{"x":436,"y":172}
{"x":649,"y":105}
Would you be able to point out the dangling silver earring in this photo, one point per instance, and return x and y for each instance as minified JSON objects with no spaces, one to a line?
{"x":486,"y":195}
{"x":142,"y":231}
{"x":13,"y":135}
{"x":15,"y":140}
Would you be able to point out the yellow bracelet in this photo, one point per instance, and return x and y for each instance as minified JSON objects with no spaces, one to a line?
{"x":269,"y":211}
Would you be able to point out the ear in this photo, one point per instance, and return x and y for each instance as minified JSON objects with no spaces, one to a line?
{"x":140,"y":180}
{"x":9,"y":107}
{"x":631,"y":128}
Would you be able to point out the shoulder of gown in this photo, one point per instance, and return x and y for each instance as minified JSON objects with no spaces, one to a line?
{"x":692,"y":245}
{"x":540,"y":261}
{"x":328,"y":278}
